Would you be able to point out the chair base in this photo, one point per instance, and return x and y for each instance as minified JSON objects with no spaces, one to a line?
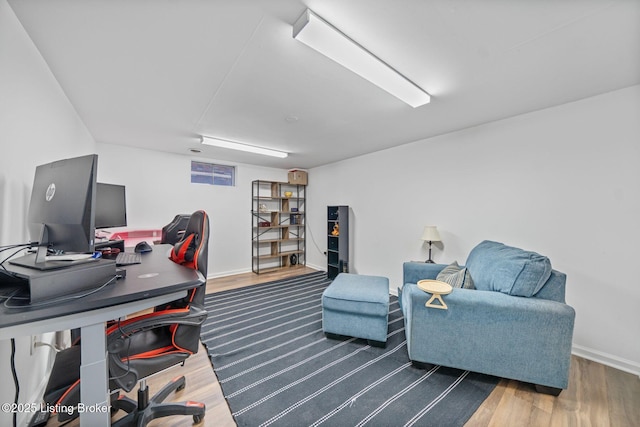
{"x":140,"y":413}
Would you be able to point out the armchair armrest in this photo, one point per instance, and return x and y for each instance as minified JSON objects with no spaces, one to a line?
{"x":528,"y":339}
{"x":192,"y":315}
{"x":414,"y":271}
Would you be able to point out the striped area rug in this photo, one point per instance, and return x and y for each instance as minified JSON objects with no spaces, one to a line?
{"x":277,"y":368}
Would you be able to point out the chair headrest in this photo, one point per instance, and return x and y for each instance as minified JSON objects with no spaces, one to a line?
{"x":174,"y":231}
{"x":192,"y":250}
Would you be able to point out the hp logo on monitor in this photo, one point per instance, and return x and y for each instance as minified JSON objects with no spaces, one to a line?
{"x":51,"y":191}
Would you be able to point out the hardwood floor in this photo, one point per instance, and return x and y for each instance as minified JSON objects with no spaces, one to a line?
{"x":597,"y":395}
{"x":246,"y":279}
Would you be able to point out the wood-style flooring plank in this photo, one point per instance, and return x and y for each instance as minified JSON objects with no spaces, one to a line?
{"x":623,"y":396}
{"x":247,"y":279}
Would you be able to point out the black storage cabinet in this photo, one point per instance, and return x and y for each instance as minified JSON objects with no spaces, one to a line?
{"x":337,"y":244}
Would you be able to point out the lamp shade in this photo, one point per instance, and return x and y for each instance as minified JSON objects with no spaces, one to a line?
{"x":430,"y":234}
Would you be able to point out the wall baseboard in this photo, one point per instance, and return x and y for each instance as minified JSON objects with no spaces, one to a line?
{"x":317,"y":267}
{"x":606,"y":359}
{"x":248,"y":270}
{"x":227,"y":273}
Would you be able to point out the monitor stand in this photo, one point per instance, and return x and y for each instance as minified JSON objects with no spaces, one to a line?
{"x":38,"y":260}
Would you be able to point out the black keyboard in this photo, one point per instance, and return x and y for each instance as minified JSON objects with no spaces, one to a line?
{"x":128,"y":258}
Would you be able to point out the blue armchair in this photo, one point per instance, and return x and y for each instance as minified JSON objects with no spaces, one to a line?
{"x":515,"y":324}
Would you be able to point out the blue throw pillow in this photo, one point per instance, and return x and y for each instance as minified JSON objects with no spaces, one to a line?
{"x":497,"y":267}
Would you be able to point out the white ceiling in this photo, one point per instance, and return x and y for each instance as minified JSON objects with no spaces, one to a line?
{"x":157,"y":74}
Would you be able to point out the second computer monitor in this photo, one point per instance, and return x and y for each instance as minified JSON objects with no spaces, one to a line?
{"x":111,"y":206}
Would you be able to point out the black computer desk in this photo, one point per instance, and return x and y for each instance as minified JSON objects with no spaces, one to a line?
{"x":156,"y":281}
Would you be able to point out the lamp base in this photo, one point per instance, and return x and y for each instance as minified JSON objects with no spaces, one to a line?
{"x":430,"y":261}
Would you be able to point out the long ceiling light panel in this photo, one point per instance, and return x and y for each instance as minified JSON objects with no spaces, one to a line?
{"x":320,"y":35}
{"x":215,"y":142}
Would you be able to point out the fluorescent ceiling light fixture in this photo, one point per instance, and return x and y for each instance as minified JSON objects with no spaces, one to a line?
{"x":320,"y":35}
{"x":222,"y":143}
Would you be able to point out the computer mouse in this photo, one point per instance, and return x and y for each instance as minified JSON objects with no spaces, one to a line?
{"x":143,"y":247}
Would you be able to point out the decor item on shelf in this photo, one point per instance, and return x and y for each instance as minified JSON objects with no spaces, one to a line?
{"x":288,"y":194}
{"x":430,"y":234}
{"x":297,"y":176}
{"x":293,"y":259}
{"x":264,"y":224}
{"x":336,"y":230}
{"x":263,"y":208}
{"x":294,"y":219}
{"x":323,"y":37}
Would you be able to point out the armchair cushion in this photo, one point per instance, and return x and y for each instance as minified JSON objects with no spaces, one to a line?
{"x":497,"y":267}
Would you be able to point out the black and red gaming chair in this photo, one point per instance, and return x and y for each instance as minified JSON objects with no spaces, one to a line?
{"x":144,"y":345}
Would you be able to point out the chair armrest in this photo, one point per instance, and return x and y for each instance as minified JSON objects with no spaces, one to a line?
{"x":193,"y":316}
{"x":121,"y":334}
{"x":414,"y":271}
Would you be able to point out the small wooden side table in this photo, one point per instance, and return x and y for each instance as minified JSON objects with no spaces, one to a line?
{"x":436,"y":288}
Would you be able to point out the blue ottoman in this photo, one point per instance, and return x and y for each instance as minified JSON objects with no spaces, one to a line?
{"x":357,"y":306}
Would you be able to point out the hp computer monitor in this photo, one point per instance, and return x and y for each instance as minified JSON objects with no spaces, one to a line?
{"x":111,"y":206}
{"x":61,"y":210}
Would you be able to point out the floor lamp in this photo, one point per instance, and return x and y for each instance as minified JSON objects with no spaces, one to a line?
{"x":430,"y":235}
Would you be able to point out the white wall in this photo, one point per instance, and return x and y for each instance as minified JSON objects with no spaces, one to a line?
{"x":37,"y":125}
{"x":562,"y":181}
{"x":158,"y":187}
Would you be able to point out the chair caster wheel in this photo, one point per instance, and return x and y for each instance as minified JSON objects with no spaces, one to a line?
{"x":197,"y":419}
{"x":182,"y":387}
